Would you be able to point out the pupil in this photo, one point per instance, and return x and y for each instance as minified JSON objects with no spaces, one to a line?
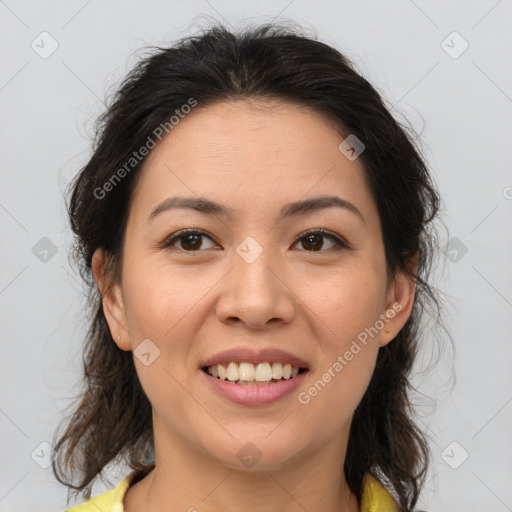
{"x":192,"y":245}
{"x":309,"y":239}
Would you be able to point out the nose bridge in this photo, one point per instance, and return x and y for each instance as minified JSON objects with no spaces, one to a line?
{"x":251,"y":270}
{"x":255,"y":293}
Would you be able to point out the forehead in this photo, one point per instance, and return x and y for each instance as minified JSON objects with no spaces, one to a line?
{"x":258,"y":154}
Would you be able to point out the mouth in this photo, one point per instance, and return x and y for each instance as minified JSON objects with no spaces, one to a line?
{"x":254,"y":378}
{"x":249,"y":374}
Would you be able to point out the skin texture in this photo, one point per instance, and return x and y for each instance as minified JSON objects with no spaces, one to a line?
{"x":253,"y":157}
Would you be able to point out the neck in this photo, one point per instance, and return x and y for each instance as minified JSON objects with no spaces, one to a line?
{"x":186,"y":480}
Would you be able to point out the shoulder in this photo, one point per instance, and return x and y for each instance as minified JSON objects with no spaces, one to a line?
{"x":376,"y":498}
{"x":110,"y":501}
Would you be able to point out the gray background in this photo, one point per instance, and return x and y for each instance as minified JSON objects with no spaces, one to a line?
{"x":460,"y":102}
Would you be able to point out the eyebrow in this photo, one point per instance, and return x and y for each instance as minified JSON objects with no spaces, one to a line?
{"x":206,"y":206}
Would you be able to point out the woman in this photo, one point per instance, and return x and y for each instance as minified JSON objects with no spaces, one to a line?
{"x":259,"y":231}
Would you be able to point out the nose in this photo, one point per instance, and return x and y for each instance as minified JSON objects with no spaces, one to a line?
{"x":256,"y":294}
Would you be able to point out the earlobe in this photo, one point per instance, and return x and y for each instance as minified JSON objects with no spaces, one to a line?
{"x":113,"y":307}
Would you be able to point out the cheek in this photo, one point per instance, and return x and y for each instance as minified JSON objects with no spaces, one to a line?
{"x":346,"y":301}
{"x":335,"y":394}
{"x":348,"y":349}
{"x":160,"y":301}
{"x":347,"y":307}
{"x":162,"y":307}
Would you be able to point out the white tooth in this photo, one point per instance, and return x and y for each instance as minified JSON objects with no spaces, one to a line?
{"x":277,"y":370}
{"x":222,"y":371}
{"x":246,"y":371}
{"x":232,"y":372}
{"x":249,"y":374}
{"x":263,"y":372}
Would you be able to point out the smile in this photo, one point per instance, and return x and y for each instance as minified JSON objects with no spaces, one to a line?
{"x":249,"y":374}
{"x":253,"y":393}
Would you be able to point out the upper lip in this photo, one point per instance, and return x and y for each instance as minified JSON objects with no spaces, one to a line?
{"x":247,"y":355}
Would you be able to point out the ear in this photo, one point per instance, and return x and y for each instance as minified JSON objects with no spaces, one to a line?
{"x":112,"y":299}
{"x":400,"y":301}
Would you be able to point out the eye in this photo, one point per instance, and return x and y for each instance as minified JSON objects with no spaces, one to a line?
{"x":314,"y":240}
{"x":190,"y":240}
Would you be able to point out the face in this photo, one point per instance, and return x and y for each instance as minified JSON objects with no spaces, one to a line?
{"x":254,"y":282}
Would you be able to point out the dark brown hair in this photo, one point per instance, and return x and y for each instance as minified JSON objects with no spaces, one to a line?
{"x":112,"y":419}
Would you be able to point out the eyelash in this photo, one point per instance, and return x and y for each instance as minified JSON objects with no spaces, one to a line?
{"x":341,"y":244}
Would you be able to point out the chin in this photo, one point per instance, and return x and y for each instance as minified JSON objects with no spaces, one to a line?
{"x":257,"y":453}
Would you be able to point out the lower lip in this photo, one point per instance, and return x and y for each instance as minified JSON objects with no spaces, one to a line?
{"x":255,"y":395}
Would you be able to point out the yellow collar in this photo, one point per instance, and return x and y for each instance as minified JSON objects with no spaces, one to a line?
{"x":376,"y":498}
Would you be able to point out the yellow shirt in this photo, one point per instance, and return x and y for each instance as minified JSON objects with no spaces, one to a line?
{"x":375,"y":498}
